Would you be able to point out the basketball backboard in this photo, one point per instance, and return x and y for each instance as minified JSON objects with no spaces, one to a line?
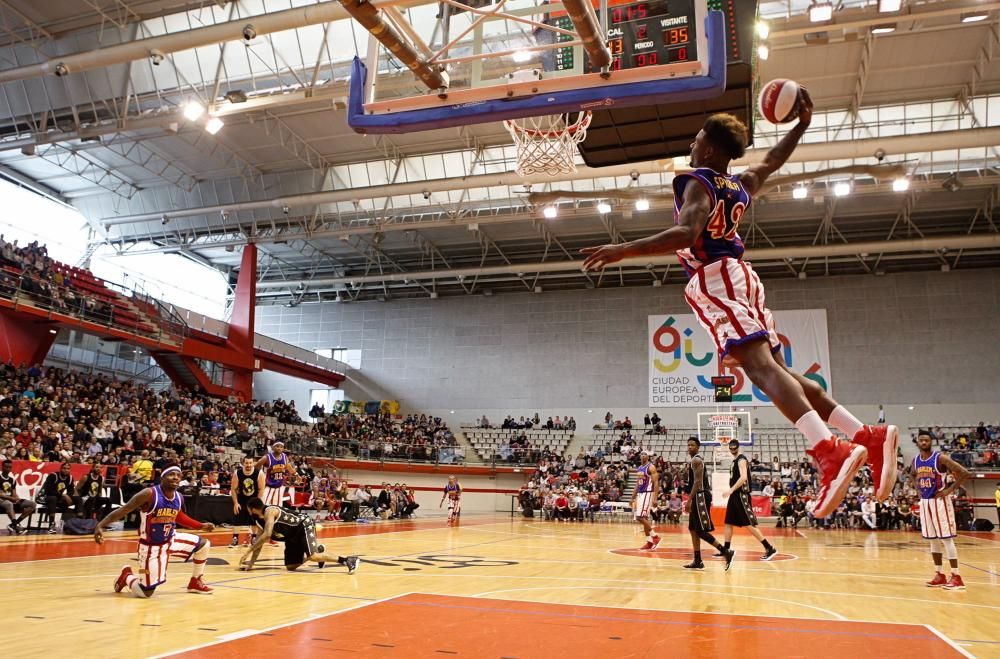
{"x":455,"y":63}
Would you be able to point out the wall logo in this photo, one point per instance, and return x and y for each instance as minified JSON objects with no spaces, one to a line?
{"x":683,"y":358}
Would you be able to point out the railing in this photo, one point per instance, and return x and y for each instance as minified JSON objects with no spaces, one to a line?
{"x":30,"y":291}
{"x":359,"y":451}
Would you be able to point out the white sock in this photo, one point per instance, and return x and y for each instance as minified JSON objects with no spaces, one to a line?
{"x":845,"y":422}
{"x":812,"y":426}
{"x":133,"y":584}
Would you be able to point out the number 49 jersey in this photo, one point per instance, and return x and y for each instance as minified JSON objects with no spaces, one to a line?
{"x":719,"y":239}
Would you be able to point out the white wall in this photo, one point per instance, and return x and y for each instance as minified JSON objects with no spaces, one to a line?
{"x":429,"y":500}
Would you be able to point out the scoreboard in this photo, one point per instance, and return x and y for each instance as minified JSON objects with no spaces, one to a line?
{"x":650,"y":33}
{"x":655,"y":32}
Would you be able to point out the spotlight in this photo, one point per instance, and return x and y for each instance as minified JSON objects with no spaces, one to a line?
{"x":889,"y":6}
{"x":820,"y":12}
{"x":61,"y":70}
{"x":603,"y":208}
{"x":800,"y":192}
{"x":236,"y":96}
{"x":214,"y":125}
{"x":193,"y":111}
{"x":538,"y":289}
{"x":763,"y":52}
{"x":952,"y":184}
{"x":763,"y":29}
{"x":842,"y":189}
{"x":642,"y":204}
{"x":550,"y":212}
{"x":901,"y":184}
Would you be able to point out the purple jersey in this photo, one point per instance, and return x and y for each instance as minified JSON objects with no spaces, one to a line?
{"x":643,"y":484}
{"x":927,"y":474}
{"x":719,"y":238}
{"x":276,"y":470}
{"x":157,"y":524}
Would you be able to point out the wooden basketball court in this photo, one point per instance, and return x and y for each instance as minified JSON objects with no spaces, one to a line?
{"x":500,"y":587}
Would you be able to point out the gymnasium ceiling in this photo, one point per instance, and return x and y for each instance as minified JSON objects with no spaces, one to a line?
{"x":442,"y":212}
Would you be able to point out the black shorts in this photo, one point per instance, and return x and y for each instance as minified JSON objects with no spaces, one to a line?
{"x":739,"y":510}
{"x":243,"y":518}
{"x":700,"y":518}
{"x":301,"y":544}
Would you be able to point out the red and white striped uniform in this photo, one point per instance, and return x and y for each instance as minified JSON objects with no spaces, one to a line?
{"x":937,"y":518}
{"x":728,"y":299}
{"x":158,"y":539}
{"x":643,"y":502}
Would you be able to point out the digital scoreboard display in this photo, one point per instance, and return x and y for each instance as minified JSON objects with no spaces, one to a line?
{"x":651,"y":33}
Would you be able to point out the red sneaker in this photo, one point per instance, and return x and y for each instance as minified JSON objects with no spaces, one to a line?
{"x":122,"y":579}
{"x":882,"y":443}
{"x":955,"y":583}
{"x":646,"y":547}
{"x":837,"y":462}
{"x":937,"y":581}
{"x":656,"y":542}
{"x":272,"y":543}
{"x":196,"y":585}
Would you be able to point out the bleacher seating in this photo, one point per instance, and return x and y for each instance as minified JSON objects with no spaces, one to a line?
{"x":487,"y":441}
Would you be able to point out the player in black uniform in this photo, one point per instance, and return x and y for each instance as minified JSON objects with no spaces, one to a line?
{"x":12,"y":504}
{"x":699,"y":506}
{"x":739,"y":509}
{"x":298,"y":532}
{"x":91,"y":488}
{"x":247,"y":483}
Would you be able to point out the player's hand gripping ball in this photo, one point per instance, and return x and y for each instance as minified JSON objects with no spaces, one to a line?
{"x":779,"y":101}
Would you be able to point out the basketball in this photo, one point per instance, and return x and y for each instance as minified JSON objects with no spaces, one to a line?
{"x":779,"y":101}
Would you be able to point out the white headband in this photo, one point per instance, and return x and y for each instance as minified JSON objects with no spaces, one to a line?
{"x":170,"y":469}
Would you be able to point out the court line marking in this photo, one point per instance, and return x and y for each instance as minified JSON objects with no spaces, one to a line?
{"x":232,"y":636}
{"x":980,"y":569}
{"x":834,"y":614}
{"x":950,"y":642}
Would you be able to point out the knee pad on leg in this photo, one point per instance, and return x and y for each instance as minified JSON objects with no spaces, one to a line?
{"x":936,"y":546}
{"x":949,"y":548}
{"x":201,"y":553}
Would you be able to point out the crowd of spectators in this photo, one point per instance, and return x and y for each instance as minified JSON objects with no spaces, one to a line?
{"x":46,"y":282}
{"x":974,"y":447}
{"x":531,"y":422}
{"x":384,"y":437}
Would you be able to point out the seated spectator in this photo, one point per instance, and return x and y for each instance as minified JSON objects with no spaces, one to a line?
{"x":10,"y":503}
{"x":91,"y":491}
{"x":60,"y":495}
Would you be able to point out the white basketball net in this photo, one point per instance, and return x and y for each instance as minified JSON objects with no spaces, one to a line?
{"x":547,"y":144}
{"x":726,"y":427}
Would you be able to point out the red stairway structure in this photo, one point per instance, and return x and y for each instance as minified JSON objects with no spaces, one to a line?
{"x":32,"y":310}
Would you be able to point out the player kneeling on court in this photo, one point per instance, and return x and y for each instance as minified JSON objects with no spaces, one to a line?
{"x":159,"y":515}
{"x":298,"y":532}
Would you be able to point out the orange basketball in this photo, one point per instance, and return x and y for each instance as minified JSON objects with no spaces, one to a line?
{"x":779,"y":101}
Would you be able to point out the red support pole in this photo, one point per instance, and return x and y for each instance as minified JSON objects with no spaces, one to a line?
{"x":241,"y":323}
{"x":23,"y":341}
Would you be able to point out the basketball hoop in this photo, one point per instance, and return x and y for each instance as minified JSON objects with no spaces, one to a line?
{"x":726,"y":427}
{"x":547,"y":144}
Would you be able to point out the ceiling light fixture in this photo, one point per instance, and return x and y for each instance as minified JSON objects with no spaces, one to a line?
{"x":820,"y":12}
{"x":763,"y":29}
{"x":800,"y":192}
{"x":214,"y":125}
{"x":642,"y":204}
{"x":193,"y":111}
{"x":975,"y":16}
{"x":884,"y":28}
{"x":842,"y":189}
{"x":952,"y":184}
{"x":763,"y":52}
{"x":521,"y":56}
{"x":889,"y":6}
{"x":550,"y":212}
{"x":901,"y":184}
{"x":603,"y":208}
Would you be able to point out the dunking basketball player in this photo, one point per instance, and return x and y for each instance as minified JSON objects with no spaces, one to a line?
{"x":453,"y":493}
{"x":298,"y":532}
{"x":247,"y":483}
{"x":159,"y":515}
{"x":699,"y":506}
{"x":728,"y":298}
{"x":937,"y":513}
{"x":739,"y":508}
{"x":647,"y":489}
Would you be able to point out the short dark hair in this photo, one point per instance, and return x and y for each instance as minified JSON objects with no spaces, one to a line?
{"x":255,"y":503}
{"x":728,"y":133}
{"x":733,"y":443}
{"x":696,"y":441}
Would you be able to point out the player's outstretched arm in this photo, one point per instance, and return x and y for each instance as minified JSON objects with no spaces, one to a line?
{"x":691,"y":221}
{"x":960,"y":473}
{"x":753,"y":178}
{"x":140,"y":499}
{"x":250,"y":557}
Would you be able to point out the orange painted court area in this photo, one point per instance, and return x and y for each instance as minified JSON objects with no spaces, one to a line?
{"x":419,"y":625}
